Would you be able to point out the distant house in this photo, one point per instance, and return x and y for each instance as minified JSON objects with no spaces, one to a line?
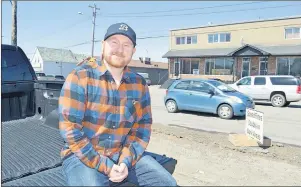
{"x":54,"y":61}
{"x":62,"y":61}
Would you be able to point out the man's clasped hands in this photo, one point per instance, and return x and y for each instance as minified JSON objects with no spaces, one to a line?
{"x":118,"y":173}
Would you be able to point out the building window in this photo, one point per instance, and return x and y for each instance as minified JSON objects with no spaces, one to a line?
{"x":186,"y":40}
{"x":224,"y":37}
{"x":219,"y":66}
{"x":219,"y":38}
{"x":180,"y":40}
{"x":292,"y":33}
{"x":289,"y":66}
{"x":191,"y":39}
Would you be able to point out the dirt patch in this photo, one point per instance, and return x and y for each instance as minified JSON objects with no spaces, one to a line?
{"x":206,"y":158}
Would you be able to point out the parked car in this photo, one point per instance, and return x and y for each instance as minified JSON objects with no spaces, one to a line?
{"x":41,"y":76}
{"x":280,"y":90}
{"x":50,"y":77}
{"x":146,"y":77}
{"x":208,"y":96}
{"x":59,"y":77}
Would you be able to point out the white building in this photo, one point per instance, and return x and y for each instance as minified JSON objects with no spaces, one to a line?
{"x":55,"y":61}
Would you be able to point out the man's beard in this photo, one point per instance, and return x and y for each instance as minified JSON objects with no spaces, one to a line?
{"x":121,"y":63}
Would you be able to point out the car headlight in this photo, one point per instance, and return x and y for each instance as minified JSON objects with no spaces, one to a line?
{"x":236,"y":99}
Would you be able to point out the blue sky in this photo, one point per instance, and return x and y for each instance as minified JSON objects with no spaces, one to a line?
{"x":57,"y":24}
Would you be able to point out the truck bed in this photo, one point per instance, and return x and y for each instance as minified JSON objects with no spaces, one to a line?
{"x":31,"y":154}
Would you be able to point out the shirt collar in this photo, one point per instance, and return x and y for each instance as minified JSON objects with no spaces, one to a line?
{"x":103,"y":70}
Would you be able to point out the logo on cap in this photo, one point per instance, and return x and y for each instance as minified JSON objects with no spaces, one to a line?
{"x":123,"y":27}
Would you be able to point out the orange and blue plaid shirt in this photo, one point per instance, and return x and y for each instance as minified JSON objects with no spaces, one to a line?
{"x":100,"y":123}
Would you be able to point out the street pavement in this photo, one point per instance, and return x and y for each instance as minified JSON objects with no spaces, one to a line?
{"x":280,"y":124}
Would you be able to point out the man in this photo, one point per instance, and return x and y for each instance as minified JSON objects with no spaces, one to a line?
{"x":105,"y":119}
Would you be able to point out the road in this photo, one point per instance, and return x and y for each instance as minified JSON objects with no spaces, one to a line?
{"x":280,"y":124}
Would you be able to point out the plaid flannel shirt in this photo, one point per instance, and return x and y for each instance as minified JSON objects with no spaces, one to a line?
{"x":100,"y":123}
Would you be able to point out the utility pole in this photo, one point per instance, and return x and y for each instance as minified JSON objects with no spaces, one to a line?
{"x":14,"y":25}
{"x":93,"y":29}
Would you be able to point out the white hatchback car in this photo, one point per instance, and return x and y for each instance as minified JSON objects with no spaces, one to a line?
{"x":280,"y":90}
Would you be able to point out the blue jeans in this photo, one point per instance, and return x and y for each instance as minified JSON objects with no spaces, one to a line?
{"x":146,"y":172}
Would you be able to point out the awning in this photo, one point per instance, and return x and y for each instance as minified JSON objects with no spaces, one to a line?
{"x":246,"y":50}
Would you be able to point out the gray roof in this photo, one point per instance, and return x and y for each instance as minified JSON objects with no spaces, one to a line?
{"x":282,"y":50}
{"x":266,"y":50}
{"x":61,"y":55}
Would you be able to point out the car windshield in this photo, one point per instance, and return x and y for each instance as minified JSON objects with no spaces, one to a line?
{"x":222,"y":86}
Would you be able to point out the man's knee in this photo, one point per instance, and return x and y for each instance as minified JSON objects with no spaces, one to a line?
{"x":78,"y":174}
{"x":149,"y":165}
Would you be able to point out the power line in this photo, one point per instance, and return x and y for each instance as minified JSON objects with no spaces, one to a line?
{"x":64,"y":29}
{"x":201,"y":13}
{"x":165,"y":36}
{"x":83,"y":43}
{"x":174,"y":10}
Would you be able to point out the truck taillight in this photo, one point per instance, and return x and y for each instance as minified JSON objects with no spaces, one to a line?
{"x":166,"y":92}
{"x":299,"y":89}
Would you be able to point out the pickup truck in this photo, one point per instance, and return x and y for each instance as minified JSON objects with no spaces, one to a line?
{"x":31,"y":141}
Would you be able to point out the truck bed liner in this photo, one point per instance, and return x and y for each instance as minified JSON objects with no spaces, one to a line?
{"x":31,"y":154}
{"x":28,"y":147}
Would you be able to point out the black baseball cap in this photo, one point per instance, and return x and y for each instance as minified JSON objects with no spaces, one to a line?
{"x":121,"y":28}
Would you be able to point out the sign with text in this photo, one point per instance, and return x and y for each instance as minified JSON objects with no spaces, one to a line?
{"x":254,"y":125}
{"x":196,"y":71}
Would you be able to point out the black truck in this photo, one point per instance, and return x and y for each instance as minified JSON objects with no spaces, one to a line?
{"x":31,"y":141}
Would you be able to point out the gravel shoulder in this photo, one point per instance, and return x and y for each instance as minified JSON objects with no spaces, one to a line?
{"x":208,"y":158}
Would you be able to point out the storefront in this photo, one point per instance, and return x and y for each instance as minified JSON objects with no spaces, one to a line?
{"x":232,"y":64}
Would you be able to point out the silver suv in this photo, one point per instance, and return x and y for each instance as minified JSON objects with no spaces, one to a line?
{"x":279,"y":90}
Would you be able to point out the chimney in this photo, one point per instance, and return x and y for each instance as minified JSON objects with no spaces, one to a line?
{"x":147,"y":60}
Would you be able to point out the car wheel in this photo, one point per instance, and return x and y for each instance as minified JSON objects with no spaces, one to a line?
{"x":278,"y":100}
{"x":171,"y":106}
{"x":225,"y":111}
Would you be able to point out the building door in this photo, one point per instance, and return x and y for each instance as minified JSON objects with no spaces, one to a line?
{"x":245,"y":71}
{"x":263,"y":65}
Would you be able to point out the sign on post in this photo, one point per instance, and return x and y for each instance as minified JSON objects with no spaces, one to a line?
{"x":254,"y":125}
